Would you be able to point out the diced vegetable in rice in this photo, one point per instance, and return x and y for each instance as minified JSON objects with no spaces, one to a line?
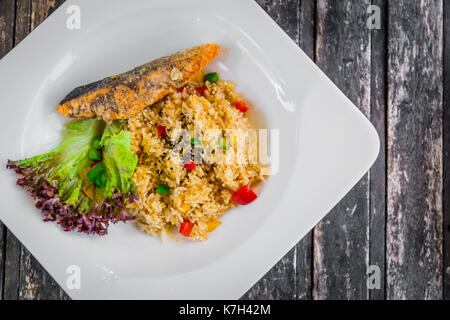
{"x":182,"y":186}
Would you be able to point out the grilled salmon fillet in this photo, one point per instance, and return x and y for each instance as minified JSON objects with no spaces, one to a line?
{"x":124,"y":95}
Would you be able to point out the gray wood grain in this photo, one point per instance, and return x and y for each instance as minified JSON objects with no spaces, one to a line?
{"x":23,"y":20}
{"x":2,"y":259}
{"x":377,"y":175}
{"x":6,"y":43}
{"x":35,"y":283}
{"x":304,"y":247}
{"x":446,"y":149}
{"x":281,"y":281}
{"x":6,"y":26}
{"x":41,"y":9}
{"x":414,"y":137}
{"x":341,"y":240}
{"x":12,"y":267}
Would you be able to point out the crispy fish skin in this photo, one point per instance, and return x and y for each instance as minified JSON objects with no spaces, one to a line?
{"x":124,"y":95}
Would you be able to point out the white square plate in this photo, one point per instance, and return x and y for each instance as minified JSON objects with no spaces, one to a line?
{"x":326,"y":144}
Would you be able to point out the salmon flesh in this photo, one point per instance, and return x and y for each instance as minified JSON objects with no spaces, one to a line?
{"x":123,"y":96}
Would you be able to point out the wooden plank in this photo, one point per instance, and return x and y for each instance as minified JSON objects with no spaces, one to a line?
{"x":23,"y":20}
{"x":278,"y":283}
{"x":307,"y":20}
{"x":6,"y":43}
{"x":281,"y":281}
{"x":341,"y":240}
{"x":414,"y":141}
{"x":41,"y":9}
{"x":446,"y":150}
{"x":2,"y":259}
{"x":6,"y":26}
{"x":304,"y":271}
{"x":13,"y":246}
{"x":304,"y":247}
{"x":12,"y":267}
{"x":35,"y":282}
{"x":285,"y":13}
{"x":377,"y":178}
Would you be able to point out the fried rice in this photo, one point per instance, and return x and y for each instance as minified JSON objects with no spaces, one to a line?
{"x":197,"y":124}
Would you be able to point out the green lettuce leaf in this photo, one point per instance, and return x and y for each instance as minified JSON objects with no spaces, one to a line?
{"x":65,"y":161}
{"x":118,"y":159}
{"x":58,"y":183}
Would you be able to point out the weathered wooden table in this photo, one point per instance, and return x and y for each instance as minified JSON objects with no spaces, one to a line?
{"x":397,"y":217}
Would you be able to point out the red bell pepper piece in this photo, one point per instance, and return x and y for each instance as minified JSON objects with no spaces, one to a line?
{"x":241,"y":106}
{"x":94,"y":164}
{"x":186,"y":228}
{"x":189,"y":165}
{"x":162,"y":132}
{"x":244,"y":196}
{"x":201,"y":90}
